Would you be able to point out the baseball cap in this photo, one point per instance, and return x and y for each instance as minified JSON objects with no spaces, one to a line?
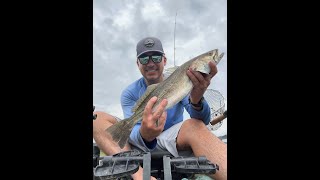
{"x":149,"y":44}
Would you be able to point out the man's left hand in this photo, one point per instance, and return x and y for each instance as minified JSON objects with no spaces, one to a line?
{"x":200,"y":82}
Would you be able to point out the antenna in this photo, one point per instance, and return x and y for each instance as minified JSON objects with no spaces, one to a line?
{"x":174,"y":42}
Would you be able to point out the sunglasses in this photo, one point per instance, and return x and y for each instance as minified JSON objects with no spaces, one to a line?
{"x":144,"y":59}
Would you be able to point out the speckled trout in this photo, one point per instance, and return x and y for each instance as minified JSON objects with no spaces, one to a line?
{"x":174,"y":88}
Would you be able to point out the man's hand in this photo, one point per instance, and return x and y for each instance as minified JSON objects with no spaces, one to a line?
{"x":201,"y":82}
{"x":153,"y":122}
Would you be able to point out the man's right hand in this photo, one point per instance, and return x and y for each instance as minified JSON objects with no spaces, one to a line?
{"x":149,"y":129}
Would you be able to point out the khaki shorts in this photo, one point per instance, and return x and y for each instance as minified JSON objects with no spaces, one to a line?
{"x":167,"y":142}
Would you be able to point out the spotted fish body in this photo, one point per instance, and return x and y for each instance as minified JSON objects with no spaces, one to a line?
{"x":174,"y":89}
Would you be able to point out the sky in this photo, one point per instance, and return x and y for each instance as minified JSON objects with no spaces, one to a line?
{"x":201,"y":25}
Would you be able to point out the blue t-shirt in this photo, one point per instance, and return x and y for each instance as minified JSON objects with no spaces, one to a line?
{"x":135,"y":90}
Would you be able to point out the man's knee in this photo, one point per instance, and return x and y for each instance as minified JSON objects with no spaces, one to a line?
{"x":102,"y":116}
{"x":190,"y":130}
{"x":103,"y":119}
{"x":194,"y":124}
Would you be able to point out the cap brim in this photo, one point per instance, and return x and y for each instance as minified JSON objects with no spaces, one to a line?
{"x":150,"y":51}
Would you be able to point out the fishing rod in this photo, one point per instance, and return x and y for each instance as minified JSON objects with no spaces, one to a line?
{"x":219,"y":118}
{"x":174,"y":41}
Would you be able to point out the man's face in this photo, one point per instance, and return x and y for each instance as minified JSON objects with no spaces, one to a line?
{"x":152,"y":71}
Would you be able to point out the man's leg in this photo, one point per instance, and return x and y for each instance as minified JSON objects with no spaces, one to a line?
{"x":195,"y":135}
{"x":104,"y":141}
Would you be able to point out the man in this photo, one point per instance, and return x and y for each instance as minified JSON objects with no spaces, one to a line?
{"x":172,"y":134}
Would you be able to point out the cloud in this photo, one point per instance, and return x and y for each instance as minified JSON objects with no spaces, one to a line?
{"x":118,"y":25}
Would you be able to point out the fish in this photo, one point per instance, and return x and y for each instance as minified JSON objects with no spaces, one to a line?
{"x":174,"y":88}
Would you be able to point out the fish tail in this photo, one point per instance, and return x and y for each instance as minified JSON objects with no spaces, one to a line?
{"x":120,"y":131}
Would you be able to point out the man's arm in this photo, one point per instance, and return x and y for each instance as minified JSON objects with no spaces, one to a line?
{"x":200,"y":83}
{"x":203,"y":113}
{"x":127,"y":103}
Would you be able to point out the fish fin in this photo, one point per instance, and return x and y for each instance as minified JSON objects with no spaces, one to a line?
{"x":120,"y":131}
{"x":150,"y":88}
{"x":168,"y":71}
